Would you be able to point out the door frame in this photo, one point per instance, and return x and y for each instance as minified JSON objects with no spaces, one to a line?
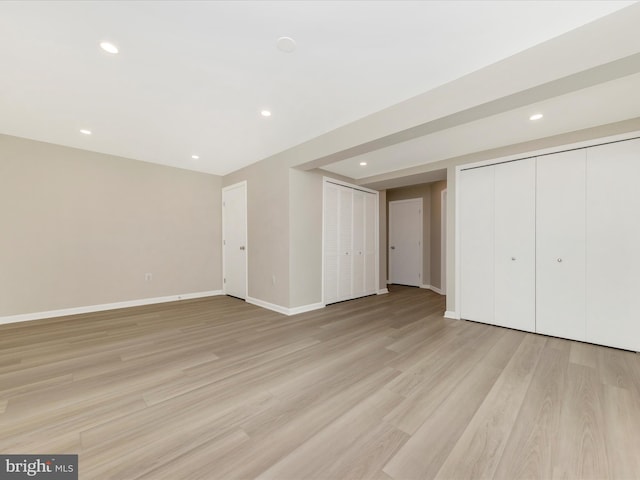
{"x":443,"y":241}
{"x":326,"y":180}
{"x":242,"y":185}
{"x":421,"y":249}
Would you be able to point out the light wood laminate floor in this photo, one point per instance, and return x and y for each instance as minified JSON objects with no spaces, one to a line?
{"x":381,"y":387}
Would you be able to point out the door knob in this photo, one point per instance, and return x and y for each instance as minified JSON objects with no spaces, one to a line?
{"x":513,"y":258}
{"x":242,"y":247}
{"x":559,"y":260}
{"x":392,"y":247}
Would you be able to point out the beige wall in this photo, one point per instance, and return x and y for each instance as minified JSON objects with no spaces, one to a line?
{"x":284,"y":214}
{"x":267,"y":229}
{"x":436,"y":232}
{"x":305,"y":220}
{"x":82,"y":228}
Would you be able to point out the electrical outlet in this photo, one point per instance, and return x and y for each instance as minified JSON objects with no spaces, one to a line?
{"x":148,"y":277}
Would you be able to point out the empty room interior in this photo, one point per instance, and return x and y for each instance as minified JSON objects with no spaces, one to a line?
{"x":328,"y":240}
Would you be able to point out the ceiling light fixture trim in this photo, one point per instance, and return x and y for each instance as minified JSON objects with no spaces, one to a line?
{"x":109,"y":47}
{"x":286,"y":44}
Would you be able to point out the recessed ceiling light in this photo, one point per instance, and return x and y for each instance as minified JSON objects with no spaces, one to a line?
{"x":363,"y":164}
{"x":195,"y":157}
{"x":286,"y":44}
{"x":536,"y":116}
{"x":265,"y":113}
{"x":109,"y":47}
{"x":85,"y":131}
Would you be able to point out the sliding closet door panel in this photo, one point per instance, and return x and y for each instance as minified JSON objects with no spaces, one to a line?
{"x":613,"y":245}
{"x":358,"y":243}
{"x":560,"y":245}
{"x":476,"y":244}
{"x":345,"y":242}
{"x":515,"y":263}
{"x":330,"y":243}
{"x":370,"y":244}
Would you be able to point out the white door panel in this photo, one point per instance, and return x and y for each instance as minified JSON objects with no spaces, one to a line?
{"x":405,"y":242}
{"x":345,"y":242}
{"x":477,"y":244}
{"x":560,"y":245}
{"x":613,"y":245}
{"x":350,"y":246}
{"x":234,"y":244}
{"x":330,"y":231}
{"x":515,"y":225}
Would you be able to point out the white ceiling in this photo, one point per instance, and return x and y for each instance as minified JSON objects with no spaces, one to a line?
{"x":192,"y":77}
{"x":589,"y":107}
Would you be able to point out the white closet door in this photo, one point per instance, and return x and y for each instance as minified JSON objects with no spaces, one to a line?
{"x":330,"y":243}
{"x":358,"y":243}
{"x":560,"y":245}
{"x":613,"y":245}
{"x":515,"y":227}
{"x":345,"y":242}
{"x":476,"y":244}
{"x":370,"y":242}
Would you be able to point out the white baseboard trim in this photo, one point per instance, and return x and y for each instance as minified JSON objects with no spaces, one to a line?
{"x":433,"y":289}
{"x":306,"y":308}
{"x":452,"y":315}
{"x":382,"y":291}
{"x":284,"y":310}
{"x":25,"y":317}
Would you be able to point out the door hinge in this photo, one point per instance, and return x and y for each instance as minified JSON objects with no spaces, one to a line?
{"x":224,"y":242}
{"x":224,"y":280}
{"x":224,"y":204}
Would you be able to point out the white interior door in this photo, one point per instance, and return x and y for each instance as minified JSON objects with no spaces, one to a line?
{"x":514,"y":248}
{"x":234,"y":243}
{"x":613,"y":245}
{"x":405,"y":242}
{"x":476,"y":244}
{"x":560,"y":245}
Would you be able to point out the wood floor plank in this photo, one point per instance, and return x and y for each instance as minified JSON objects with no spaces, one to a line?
{"x":448,"y":421}
{"x":622,"y":431}
{"x":436,"y":381}
{"x":320,"y":457}
{"x":532,"y":446}
{"x":479,"y":449}
{"x":582,"y":451}
{"x":381,"y":387}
